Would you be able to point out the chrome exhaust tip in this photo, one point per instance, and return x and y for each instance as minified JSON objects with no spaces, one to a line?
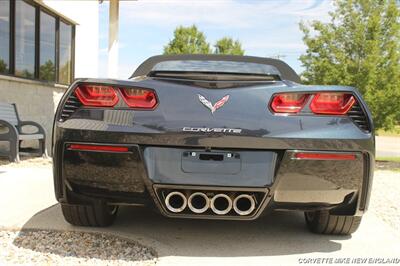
{"x":244,"y":204}
{"x":176,"y":202}
{"x":198,"y":202}
{"x":221,"y":204}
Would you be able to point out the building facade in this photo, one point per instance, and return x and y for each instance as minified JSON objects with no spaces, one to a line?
{"x":44,"y":45}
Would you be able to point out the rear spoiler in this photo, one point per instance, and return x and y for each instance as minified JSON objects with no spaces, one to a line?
{"x":287,"y":73}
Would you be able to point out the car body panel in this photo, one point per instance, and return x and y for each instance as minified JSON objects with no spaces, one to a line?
{"x":180,"y":124}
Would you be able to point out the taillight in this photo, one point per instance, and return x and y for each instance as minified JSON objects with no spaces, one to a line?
{"x":108,"y":96}
{"x":333,"y":103}
{"x":289,"y":102}
{"x":139,"y":98}
{"x":324,"y":103}
{"x":96,"y":95}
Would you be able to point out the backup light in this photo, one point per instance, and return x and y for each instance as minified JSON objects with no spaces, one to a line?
{"x":139,"y":98}
{"x":332,"y":103}
{"x":96,"y":95}
{"x":289,"y":102}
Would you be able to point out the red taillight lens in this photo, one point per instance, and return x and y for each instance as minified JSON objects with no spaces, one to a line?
{"x":85,"y":147}
{"x":324,"y":156}
{"x":139,"y":98}
{"x":96,"y":95}
{"x":333,"y":103}
{"x":108,"y":96}
{"x":289,"y":102}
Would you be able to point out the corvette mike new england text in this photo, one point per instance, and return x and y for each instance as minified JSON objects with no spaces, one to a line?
{"x":350,"y":260}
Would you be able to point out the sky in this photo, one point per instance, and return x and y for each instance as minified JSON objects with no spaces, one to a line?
{"x":265,"y":28}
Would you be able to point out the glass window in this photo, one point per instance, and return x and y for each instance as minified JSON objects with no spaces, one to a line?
{"x":65,"y":53}
{"x":216,"y":66}
{"x":24,"y":40}
{"x":4,"y":36}
{"x":47,"y":68}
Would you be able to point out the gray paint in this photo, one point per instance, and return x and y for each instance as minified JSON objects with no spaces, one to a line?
{"x":160,"y":136}
{"x":170,"y":166}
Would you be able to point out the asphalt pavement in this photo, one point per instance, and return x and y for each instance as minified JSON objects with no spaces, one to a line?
{"x":281,"y":238}
{"x":387,"y":146}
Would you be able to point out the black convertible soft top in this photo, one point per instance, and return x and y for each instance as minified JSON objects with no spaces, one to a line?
{"x":287,"y":73}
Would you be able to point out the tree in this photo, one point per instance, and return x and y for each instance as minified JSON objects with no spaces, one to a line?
{"x":227,"y":45}
{"x":3,"y":66}
{"x":359,"y":47}
{"x":47,"y":71}
{"x":187,"y":40}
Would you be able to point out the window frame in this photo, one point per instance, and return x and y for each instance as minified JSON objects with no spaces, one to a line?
{"x":58,"y":49}
{"x":9,"y":41}
{"x":13,"y":49}
{"x":38,"y":9}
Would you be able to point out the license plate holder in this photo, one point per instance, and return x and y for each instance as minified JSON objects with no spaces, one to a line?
{"x":219,"y":162}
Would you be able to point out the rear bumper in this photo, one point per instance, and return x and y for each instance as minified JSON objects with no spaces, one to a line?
{"x":127,"y":178}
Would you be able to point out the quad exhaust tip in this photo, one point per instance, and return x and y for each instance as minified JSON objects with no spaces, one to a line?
{"x":221,"y":204}
{"x":176,"y":202}
{"x":244,"y":204}
{"x":198,"y":202}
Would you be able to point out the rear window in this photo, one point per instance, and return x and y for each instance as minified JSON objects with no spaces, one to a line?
{"x":215,"y":66}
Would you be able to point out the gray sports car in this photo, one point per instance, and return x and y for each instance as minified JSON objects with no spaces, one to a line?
{"x":213,"y":137}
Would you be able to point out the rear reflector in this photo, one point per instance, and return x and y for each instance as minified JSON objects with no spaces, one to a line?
{"x":324,"y":156}
{"x":332,"y":103}
{"x":96,"y":95}
{"x":289,"y":102}
{"x":84,"y":147}
{"x":139,"y":98}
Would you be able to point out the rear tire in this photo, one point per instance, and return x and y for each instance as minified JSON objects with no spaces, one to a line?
{"x":98,"y":215}
{"x":321,"y":222}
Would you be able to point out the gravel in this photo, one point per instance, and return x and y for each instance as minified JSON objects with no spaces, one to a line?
{"x":27,"y":162}
{"x":385,"y":197}
{"x":387,"y":165}
{"x":71,"y":248}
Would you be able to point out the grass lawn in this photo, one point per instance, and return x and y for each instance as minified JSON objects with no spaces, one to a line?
{"x":388,"y":159}
{"x":395,"y":132}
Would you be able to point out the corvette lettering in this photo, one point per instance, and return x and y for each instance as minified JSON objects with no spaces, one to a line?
{"x":214,"y":130}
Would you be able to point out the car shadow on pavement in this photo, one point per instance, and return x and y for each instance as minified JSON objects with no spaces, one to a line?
{"x":278,"y":233}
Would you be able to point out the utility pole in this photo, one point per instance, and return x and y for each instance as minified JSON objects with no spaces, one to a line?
{"x":113,"y":39}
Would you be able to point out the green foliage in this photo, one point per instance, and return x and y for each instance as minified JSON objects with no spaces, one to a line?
{"x":227,"y":45}
{"x":393,"y":132}
{"x":48,"y":71}
{"x":359,"y":47}
{"x":3,"y":66}
{"x":25,"y":73}
{"x":389,"y":159}
{"x":189,"y":40}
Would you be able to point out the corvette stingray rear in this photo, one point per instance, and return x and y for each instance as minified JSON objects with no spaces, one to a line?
{"x":213,"y":137}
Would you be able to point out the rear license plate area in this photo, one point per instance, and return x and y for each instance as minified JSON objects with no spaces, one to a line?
{"x":211,"y":162}
{"x":233,"y":168}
